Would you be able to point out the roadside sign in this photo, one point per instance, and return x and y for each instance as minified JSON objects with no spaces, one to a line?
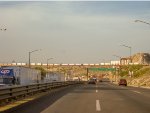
{"x":6,"y":72}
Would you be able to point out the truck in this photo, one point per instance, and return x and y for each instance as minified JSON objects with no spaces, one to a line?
{"x":19,"y":75}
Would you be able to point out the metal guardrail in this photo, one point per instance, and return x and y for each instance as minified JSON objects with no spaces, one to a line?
{"x":7,"y":94}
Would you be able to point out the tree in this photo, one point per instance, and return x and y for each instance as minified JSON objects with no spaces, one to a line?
{"x":43,"y":72}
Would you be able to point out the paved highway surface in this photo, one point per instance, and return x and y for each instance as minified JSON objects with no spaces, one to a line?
{"x":101,"y":98}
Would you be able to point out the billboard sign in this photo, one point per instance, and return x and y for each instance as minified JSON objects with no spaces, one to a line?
{"x":6,"y":72}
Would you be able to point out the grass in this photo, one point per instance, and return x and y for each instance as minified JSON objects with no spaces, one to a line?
{"x":142,"y":72}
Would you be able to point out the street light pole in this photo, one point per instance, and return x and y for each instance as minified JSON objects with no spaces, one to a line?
{"x":47,"y":62}
{"x":130,"y":51}
{"x":118,"y":69}
{"x":30,"y":57}
{"x":118,"y":57}
{"x":144,"y":23}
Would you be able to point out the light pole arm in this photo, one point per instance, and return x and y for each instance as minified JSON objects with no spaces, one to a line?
{"x":117,"y":56}
{"x":130,"y":51}
{"x":34,"y":51}
{"x":126,"y":46}
{"x":30,"y":56}
{"x":142,"y":22}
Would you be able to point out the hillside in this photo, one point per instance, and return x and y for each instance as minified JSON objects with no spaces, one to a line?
{"x":141,"y":58}
{"x":142,"y":77}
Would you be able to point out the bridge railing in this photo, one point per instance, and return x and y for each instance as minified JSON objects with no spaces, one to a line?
{"x":12,"y":93}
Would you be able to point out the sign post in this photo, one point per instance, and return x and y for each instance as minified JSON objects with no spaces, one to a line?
{"x":87,"y":74}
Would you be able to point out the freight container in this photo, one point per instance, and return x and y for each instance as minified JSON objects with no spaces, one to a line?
{"x":54,"y":76}
{"x":20,"y":75}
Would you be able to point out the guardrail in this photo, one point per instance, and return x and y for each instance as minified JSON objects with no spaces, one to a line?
{"x":12,"y":93}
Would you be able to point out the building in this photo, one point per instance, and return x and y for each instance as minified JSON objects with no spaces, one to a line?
{"x":125,"y":61}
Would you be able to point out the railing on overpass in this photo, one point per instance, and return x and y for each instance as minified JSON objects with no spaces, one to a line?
{"x":43,"y":64}
{"x":12,"y":93}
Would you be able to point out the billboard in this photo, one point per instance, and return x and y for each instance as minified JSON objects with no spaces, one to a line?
{"x":6,"y":72}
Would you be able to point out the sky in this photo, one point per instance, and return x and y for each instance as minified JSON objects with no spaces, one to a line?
{"x":72,"y":32}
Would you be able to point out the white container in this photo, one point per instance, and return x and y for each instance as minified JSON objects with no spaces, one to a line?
{"x":25,"y":75}
{"x":54,"y":76}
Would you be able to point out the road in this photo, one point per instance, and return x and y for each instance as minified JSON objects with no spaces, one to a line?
{"x":104,"y":97}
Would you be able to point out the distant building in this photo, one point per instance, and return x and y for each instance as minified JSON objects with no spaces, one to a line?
{"x":139,"y":58}
{"x":125,"y":61}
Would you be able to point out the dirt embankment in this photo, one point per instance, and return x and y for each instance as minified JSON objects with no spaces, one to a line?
{"x":140,"y":81}
{"x":141,"y":77}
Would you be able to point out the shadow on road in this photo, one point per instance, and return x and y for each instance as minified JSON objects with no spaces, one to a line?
{"x":89,"y":88}
{"x":38,"y":105}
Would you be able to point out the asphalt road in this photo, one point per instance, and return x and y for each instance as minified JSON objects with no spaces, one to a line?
{"x":103,"y":98}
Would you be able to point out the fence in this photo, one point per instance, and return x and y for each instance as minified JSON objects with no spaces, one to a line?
{"x":11,"y":93}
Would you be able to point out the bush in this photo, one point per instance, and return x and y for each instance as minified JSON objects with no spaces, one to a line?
{"x":43,"y":72}
{"x":142,"y":72}
{"x":124,"y":71}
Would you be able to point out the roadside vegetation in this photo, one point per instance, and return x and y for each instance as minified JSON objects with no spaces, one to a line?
{"x":43,"y":72}
{"x":126,"y":70}
{"x":136,"y":75}
{"x":134,"y":71}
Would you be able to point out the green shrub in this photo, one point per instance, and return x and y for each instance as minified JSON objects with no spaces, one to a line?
{"x":124,"y":71}
{"x":142,"y":72}
{"x":43,"y":71}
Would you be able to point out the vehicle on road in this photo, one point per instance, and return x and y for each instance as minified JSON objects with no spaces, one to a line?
{"x":122,"y":82}
{"x":100,"y":80}
{"x":92,"y":81}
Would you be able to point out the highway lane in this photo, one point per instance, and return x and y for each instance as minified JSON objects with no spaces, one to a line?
{"x":120,"y":99}
{"x":104,"y":97}
{"x":81,"y":100}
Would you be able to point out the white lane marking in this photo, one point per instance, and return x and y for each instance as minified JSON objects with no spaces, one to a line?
{"x":96,"y":90}
{"x":123,"y":87}
{"x":137,"y":92}
{"x":98,"y":107}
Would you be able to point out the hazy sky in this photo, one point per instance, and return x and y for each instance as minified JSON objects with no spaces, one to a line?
{"x":72,"y":32}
